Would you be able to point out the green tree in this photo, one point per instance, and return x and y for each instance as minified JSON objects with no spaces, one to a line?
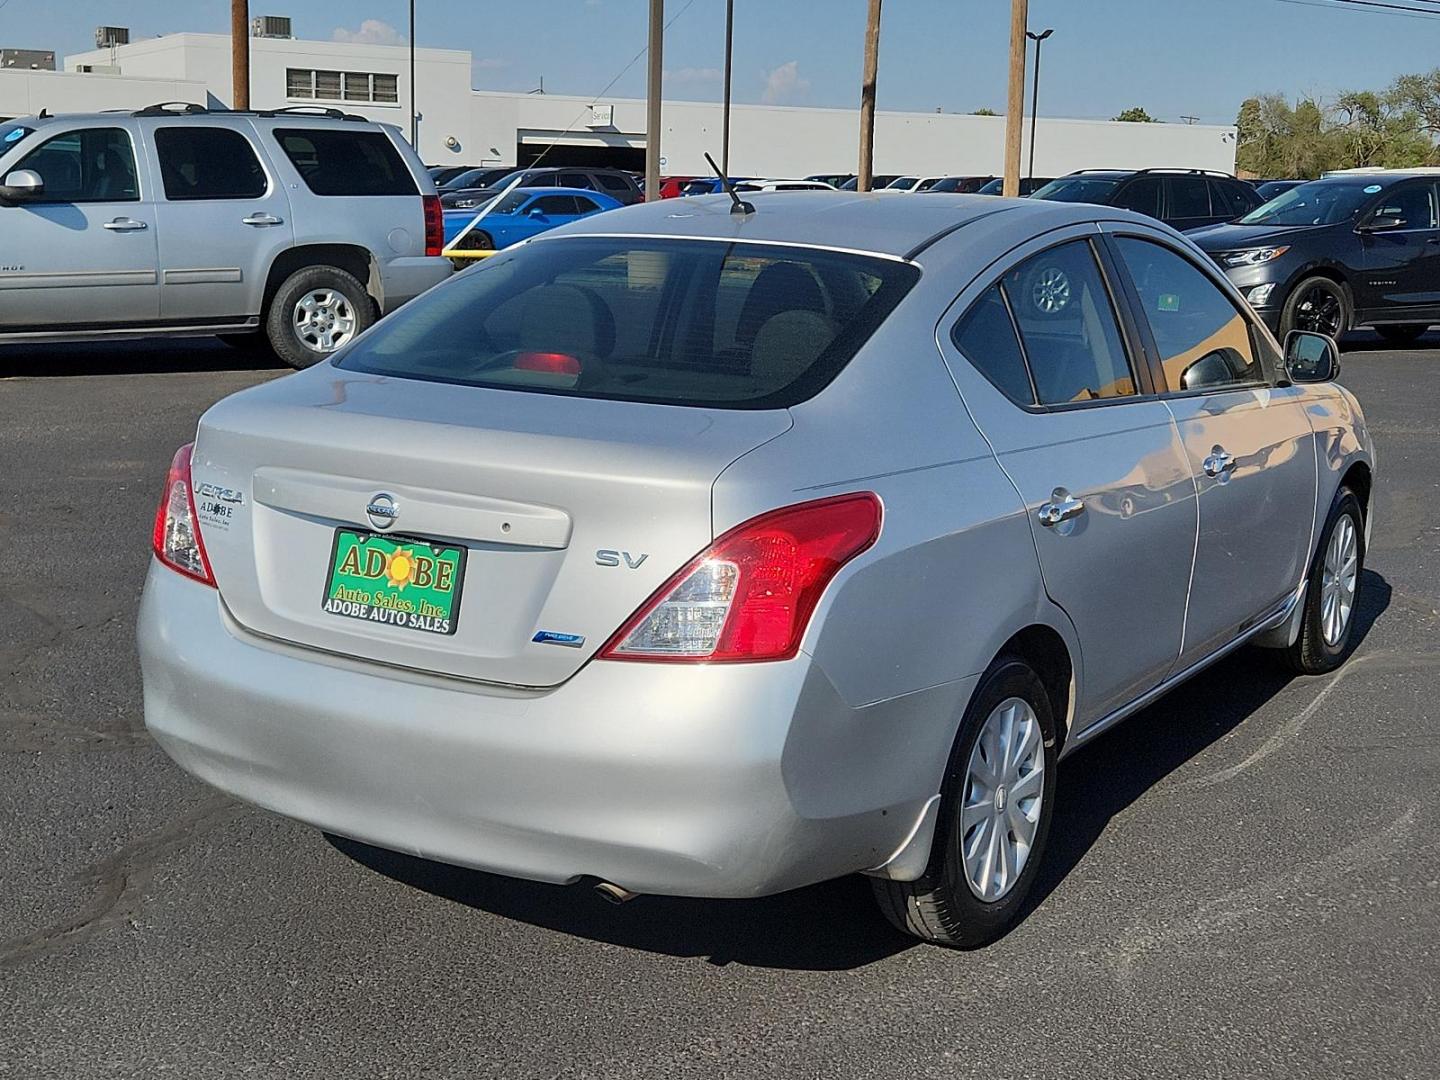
{"x":1136,"y":115}
{"x":985,"y":112}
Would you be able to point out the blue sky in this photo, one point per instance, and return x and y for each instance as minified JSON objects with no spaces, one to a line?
{"x":1199,"y":57}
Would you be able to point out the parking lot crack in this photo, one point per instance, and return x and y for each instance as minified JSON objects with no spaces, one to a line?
{"x":117,"y":884}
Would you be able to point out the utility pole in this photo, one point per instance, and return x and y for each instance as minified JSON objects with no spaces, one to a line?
{"x":729,"y":53}
{"x":652,"y":101}
{"x":1039,"y":40}
{"x":1015,"y":110}
{"x":414,"y":110}
{"x":239,"y":54}
{"x":867,"y":98}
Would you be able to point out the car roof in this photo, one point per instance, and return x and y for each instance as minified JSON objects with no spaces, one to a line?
{"x":848,"y":220}
{"x":587,"y":192}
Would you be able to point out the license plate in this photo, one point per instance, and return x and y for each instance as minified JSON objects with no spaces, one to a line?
{"x":395,"y":581}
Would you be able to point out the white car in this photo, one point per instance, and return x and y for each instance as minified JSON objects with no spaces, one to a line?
{"x":783,"y":185}
{"x":912,"y":183}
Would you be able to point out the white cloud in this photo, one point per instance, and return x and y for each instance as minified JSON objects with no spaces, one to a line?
{"x":371,"y":32}
{"x":681,"y":76}
{"x":784,"y":83}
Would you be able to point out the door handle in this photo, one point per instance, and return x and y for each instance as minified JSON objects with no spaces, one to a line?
{"x":1219,"y":463}
{"x":262,"y":219}
{"x":125,"y":224}
{"x":1062,"y":507}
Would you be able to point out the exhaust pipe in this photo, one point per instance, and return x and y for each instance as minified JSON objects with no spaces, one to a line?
{"x":614,"y":893}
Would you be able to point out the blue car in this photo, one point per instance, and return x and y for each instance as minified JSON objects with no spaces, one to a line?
{"x":521,"y":214}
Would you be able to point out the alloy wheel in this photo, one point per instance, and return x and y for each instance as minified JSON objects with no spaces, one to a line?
{"x":1320,"y":311}
{"x":1004,"y":783}
{"x":1338,"y":580}
{"x":1051,"y":290}
{"x":324,"y":320}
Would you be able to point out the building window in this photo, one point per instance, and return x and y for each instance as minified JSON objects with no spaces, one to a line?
{"x":311,"y":85}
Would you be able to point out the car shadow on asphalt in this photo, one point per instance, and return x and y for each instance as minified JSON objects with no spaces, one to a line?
{"x":1106,"y":777}
{"x":835,"y":925}
{"x":151,"y":357}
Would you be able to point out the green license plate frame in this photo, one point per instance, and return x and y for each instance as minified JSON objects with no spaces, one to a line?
{"x":359,"y":583}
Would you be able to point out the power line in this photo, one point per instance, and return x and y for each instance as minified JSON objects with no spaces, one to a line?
{"x":1372,"y":7}
{"x":619,"y":75}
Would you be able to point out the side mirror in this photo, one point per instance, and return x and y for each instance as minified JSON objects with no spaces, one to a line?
{"x":1310,"y":357}
{"x":1384,"y":223}
{"x":22,"y":185}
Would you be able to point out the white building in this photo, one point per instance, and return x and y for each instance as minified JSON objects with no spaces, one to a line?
{"x":465,"y":126}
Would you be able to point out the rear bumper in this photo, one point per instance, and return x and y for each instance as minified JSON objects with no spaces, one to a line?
{"x":718,"y":781}
{"x":404,"y":279}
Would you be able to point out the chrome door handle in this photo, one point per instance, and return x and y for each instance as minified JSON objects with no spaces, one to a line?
{"x":1062,"y":507}
{"x":262,"y":219}
{"x":125,"y":224}
{"x":1219,"y":463}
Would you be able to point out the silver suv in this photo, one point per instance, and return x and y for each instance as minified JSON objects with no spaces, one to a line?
{"x":304,"y":224}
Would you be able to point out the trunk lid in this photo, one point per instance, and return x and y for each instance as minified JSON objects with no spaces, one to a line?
{"x":570,"y":512}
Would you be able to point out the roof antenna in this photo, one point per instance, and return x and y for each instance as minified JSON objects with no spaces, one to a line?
{"x":737,"y":204}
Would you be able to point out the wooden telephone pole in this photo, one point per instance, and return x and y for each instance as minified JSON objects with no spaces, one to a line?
{"x":867,"y":98}
{"x":1015,"y":110}
{"x":239,"y":54}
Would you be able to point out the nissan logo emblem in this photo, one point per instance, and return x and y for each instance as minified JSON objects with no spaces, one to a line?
{"x":382,"y":511}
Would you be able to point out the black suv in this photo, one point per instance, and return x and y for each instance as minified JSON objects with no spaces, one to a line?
{"x":613,"y":182}
{"x":1181,"y":198}
{"x":1353,"y":249}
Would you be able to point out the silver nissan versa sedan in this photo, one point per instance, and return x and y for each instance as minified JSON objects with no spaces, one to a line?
{"x":714,"y":553}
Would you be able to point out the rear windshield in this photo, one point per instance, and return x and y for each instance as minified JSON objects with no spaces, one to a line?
{"x":347,"y":163}
{"x":678,"y":322}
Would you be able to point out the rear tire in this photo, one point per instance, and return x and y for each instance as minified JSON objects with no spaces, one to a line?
{"x":1402,"y":333}
{"x":1332,"y":586}
{"x":316,"y":310}
{"x":943,"y":906}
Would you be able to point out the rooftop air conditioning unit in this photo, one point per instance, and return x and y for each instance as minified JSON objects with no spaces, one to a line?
{"x":271,"y":26}
{"x":108,"y":36}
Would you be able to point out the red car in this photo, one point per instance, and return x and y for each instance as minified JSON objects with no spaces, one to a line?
{"x":670,"y":186}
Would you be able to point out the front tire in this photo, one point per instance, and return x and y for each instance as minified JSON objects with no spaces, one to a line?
{"x":1332,"y":592}
{"x":316,"y":310}
{"x":995,"y":809}
{"x":1318,"y":304}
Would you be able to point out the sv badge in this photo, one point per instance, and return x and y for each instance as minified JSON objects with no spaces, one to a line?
{"x":607,"y":557}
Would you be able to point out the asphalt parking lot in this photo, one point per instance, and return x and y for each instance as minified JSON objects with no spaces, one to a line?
{"x":1244,"y":880}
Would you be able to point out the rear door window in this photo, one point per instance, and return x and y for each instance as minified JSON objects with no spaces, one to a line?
{"x":576,"y":179}
{"x":208,"y":163}
{"x":1067,"y":326}
{"x":346,"y":163}
{"x":611,"y":182}
{"x":1189,"y":198}
{"x":682,"y":322}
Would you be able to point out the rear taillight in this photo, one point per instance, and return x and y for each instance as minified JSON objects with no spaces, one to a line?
{"x":176,"y":539}
{"x":434,"y":224}
{"x":750,"y":595}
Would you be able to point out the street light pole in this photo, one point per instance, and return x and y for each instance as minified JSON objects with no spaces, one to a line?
{"x":1035,"y":95}
{"x":729,"y":51}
